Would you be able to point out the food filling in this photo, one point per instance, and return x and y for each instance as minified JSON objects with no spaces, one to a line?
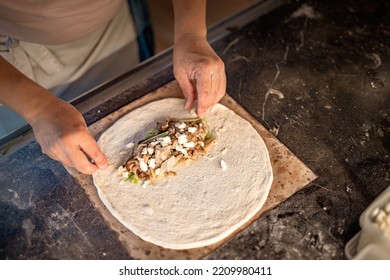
{"x":172,"y":141}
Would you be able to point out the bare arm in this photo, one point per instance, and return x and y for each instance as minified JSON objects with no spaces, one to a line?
{"x":58,"y":127}
{"x":197,"y":68}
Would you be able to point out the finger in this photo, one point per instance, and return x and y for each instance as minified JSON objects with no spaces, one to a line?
{"x":217,"y":89}
{"x":205,"y":97}
{"x":80,"y":161}
{"x":218,"y":83}
{"x":188,"y":91}
{"x":90,"y":147}
{"x":72,"y":156}
{"x":221,"y":90}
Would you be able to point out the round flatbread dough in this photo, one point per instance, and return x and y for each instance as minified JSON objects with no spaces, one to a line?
{"x":205,"y":202}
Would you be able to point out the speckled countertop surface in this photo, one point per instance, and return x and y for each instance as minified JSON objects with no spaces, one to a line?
{"x":326,"y":69}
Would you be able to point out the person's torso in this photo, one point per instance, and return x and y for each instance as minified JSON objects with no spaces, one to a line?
{"x":54,"y":21}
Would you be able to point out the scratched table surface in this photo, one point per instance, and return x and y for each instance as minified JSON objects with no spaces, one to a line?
{"x":315,"y":74}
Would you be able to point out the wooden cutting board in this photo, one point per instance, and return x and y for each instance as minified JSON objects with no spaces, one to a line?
{"x":290,"y":175}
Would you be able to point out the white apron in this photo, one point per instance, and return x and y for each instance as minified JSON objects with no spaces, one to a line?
{"x":70,"y":69}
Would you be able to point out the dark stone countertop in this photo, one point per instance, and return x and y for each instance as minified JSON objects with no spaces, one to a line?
{"x":329,"y":70}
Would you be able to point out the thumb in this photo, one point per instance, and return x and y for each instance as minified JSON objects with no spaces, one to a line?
{"x":90,"y":147}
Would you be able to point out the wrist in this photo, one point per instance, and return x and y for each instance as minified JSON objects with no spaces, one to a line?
{"x":40,"y":103}
{"x":190,"y":36}
{"x":22,"y":95}
{"x":190,"y":19}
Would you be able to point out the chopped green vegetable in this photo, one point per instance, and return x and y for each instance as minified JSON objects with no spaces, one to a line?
{"x":152,"y":132}
{"x":135,"y":180}
{"x":208,"y":135}
{"x":132,"y":177}
{"x":150,"y":138}
{"x":196,"y":120}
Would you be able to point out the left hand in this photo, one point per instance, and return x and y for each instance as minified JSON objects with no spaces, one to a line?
{"x":199,"y":71}
{"x":63,"y":135}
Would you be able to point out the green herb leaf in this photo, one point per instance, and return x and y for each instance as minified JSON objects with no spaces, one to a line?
{"x":135,"y":180}
{"x":151,"y":132}
{"x":196,"y":120}
{"x":150,"y":138}
{"x":130,"y":177}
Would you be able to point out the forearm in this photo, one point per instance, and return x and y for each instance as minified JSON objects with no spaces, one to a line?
{"x":190,"y":18}
{"x":21,"y":94}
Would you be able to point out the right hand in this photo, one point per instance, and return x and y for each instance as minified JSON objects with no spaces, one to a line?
{"x":199,"y":71}
{"x":63,"y":135}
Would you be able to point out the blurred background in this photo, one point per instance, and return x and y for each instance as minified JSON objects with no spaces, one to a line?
{"x":161,"y":13}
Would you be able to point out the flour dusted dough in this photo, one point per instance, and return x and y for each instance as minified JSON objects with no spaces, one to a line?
{"x":204,"y":203}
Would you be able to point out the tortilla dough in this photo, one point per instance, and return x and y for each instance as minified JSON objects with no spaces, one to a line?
{"x":204,"y":203}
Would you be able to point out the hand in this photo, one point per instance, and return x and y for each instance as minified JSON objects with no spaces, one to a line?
{"x":59,"y":128}
{"x":199,"y":71}
{"x":63,"y":135}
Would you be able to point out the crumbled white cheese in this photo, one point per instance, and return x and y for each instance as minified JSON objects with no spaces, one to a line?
{"x":180,"y":125}
{"x":157,"y":171}
{"x":154,"y":143}
{"x":150,"y":150}
{"x":166,"y":139}
{"x":180,"y":149}
{"x":142,"y":164}
{"x":223,"y":165}
{"x":152,"y":163}
{"x":189,"y":145}
{"x":121,"y":169}
{"x":192,"y":129}
{"x":182,"y":139}
{"x":144,"y":151}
